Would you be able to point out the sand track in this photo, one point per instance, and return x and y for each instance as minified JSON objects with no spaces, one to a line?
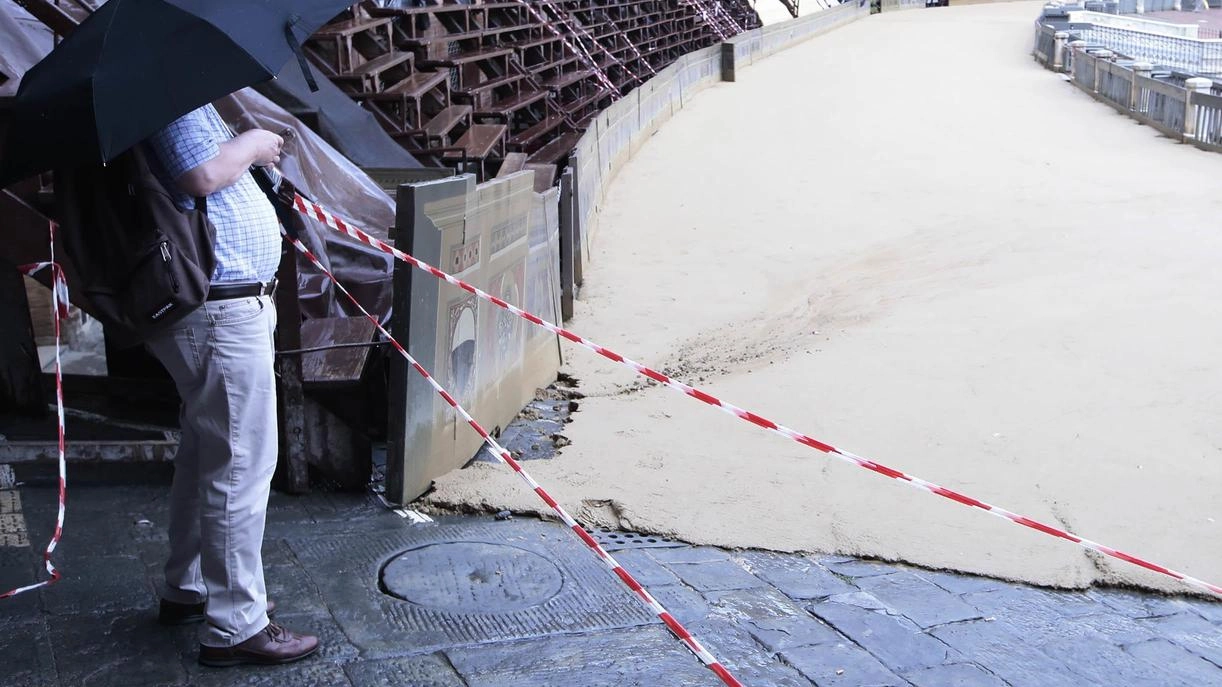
{"x":930,"y":251}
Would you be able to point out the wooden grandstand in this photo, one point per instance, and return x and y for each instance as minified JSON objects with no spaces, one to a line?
{"x":492,"y":86}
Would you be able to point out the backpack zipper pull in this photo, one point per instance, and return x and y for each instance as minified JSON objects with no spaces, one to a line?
{"x":166,"y":257}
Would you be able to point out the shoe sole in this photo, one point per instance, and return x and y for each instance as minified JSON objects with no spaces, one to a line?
{"x":253,"y":660}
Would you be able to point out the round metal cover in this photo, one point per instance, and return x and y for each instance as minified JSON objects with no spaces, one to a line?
{"x":472,"y":577}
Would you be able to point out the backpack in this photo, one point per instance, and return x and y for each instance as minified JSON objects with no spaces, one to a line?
{"x":142,"y":263}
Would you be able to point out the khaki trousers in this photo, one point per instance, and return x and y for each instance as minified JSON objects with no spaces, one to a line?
{"x":221,"y":358}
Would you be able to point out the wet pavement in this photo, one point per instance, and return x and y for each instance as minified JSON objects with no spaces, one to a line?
{"x":404,"y":599}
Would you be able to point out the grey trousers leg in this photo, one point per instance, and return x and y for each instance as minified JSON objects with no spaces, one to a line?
{"x":221,"y":358}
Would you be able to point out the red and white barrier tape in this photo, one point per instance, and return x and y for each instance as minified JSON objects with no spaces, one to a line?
{"x":59,"y":304}
{"x":311,"y":209}
{"x":505,"y":457}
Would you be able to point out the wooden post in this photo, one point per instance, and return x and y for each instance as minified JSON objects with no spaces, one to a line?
{"x":293,"y":469}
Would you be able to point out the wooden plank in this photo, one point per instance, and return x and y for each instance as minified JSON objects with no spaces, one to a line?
{"x":412,"y":87}
{"x":515,"y":103}
{"x":557,"y":150}
{"x":465,"y":57}
{"x":349,"y":27}
{"x":338,"y":365}
{"x":514,"y":162}
{"x":293,"y":462}
{"x":536,"y":132}
{"x":544,"y":175}
{"x":446,"y":120}
{"x":480,"y":140}
{"x":378,"y":65}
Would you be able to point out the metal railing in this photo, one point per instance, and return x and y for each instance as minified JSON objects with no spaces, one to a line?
{"x":1084,"y":70}
{"x":1045,"y":43}
{"x":1182,"y":108}
{"x":1209,"y":118}
{"x":1192,"y":54}
{"x":1161,"y":105}
{"x":1114,"y":83}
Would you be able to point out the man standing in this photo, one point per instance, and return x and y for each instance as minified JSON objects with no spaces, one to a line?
{"x":221,"y":359}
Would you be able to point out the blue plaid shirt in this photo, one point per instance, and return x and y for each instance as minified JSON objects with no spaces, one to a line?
{"x":247,"y":231}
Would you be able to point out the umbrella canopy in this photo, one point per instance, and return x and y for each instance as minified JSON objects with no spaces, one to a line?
{"x":136,"y":65}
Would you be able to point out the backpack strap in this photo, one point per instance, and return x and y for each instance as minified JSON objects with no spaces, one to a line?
{"x":201,"y":204}
{"x":287,"y":216}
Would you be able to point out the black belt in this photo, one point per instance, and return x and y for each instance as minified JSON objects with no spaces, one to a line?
{"x":221,"y":292}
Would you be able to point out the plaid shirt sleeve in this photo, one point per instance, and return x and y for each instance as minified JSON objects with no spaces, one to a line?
{"x":185,"y":143}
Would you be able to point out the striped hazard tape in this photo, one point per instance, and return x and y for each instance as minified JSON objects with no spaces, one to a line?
{"x":59,"y":305}
{"x":504,"y":456}
{"x":323,"y":215}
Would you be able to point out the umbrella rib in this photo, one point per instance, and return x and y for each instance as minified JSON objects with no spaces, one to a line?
{"x":93,"y":77}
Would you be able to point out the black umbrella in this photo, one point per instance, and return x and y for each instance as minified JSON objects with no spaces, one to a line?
{"x":136,"y":65}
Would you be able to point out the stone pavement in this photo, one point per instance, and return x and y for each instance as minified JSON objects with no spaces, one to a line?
{"x":470,"y":600}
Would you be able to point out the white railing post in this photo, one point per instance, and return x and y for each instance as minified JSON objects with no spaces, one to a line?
{"x":1194,"y":85}
{"x":1101,"y":61}
{"x":1058,"y":50}
{"x":1075,"y":49}
{"x":1140,"y":69}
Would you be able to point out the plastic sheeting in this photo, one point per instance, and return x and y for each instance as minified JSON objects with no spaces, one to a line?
{"x":25,"y":43}
{"x":323,"y":174}
{"x":309,"y":162}
{"x":348,"y":127}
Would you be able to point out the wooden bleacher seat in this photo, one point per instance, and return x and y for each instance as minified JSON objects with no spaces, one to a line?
{"x":517,"y":102}
{"x":484,"y":86}
{"x":350,"y":27}
{"x":469,"y":56}
{"x":343,"y":33}
{"x":557,"y":150}
{"x":528,"y":138}
{"x":439,"y":127}
{"x":406,"y":95}
{"x":412,"y":87}
{"x":368,"y":76}
{"x":480,"y":141}
{"x":568,"y":78}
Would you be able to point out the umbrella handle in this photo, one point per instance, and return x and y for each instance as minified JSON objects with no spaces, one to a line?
{"x":295,"y":45}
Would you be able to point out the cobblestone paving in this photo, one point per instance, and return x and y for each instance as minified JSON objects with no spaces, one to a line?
{"x":470,"y":600}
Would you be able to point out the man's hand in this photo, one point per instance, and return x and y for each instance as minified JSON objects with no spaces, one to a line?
{"x":265,"y":145}
{"x":253,"y":147}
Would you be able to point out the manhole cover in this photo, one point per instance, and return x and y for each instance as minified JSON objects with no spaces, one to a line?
{"x":472,"y":577}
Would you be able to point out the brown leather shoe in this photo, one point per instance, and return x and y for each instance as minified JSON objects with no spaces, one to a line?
{"x":173,"y":613}
{"x":272,"y":645}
